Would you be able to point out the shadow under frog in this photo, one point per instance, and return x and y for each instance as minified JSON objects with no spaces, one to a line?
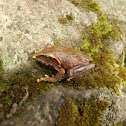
{"x":64,"y":60}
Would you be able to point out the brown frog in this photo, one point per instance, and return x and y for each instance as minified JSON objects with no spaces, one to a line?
{"x":67,"y":61}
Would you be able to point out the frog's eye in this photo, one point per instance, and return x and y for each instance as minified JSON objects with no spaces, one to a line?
{"x":48,"y":60}
{"x":48,"y":57}
{"x":44,"y":57}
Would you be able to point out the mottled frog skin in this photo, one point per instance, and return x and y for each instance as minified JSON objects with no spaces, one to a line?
{"x":67,"y":61}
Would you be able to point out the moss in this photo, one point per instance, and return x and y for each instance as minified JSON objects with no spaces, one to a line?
{"x":68,"y":113}
{"x":122,"y":75}
{"x":125,"y":61}
{"x":104,"y":74}
{"x":68,"y":18}
{"x":93,"y":6}
{"x":95,"y":41}
{"x":95,"y":44}
{"x":3,"y":81}
{"x":119,"y":124}
{"x":101,"y":31}
{"x":7,"y":99}
{"x":75,"y":2}
{"x":35,"y":0}
{"x":87,"y":5}
{"x":1,"y":68}
{"x":57,"y":43}
{"x":13,"y":90}
{"x":80,"y":112}
{"x":48,"y":85}
{"x":62,"y":20}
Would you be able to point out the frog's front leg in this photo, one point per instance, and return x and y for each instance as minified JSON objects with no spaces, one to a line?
{"x":79,"y":70}
{"x":58,"y":76}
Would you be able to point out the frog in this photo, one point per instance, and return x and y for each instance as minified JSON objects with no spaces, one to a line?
{"x":68,"y":62}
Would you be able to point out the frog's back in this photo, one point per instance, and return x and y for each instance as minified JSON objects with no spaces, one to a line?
{"x":70,"y":58}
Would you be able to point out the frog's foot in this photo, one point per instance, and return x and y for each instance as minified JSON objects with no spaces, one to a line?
{"x":35,"y":51}
{"x":68,"y":79}
{"x":58,"y":76}
{"x":34,"y":57}
{"x":41,"y":79}
{"x":50,"y":79}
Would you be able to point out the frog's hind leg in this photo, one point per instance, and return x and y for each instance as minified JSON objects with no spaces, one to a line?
{"x":79,"y":70}
{"x":58,"y":76}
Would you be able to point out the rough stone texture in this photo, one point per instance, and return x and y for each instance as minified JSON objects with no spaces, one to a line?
{"x":28,"y":25}
{"x":118,"y":48}
{"x":116,"y":9}
{"x":43,"y":111}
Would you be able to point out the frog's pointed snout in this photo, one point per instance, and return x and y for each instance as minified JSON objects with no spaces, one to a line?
{"x":86,"y":68}
{"x":33,"y":57}
{"x":91,"y":65}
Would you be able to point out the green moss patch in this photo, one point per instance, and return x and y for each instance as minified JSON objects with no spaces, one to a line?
{"x":107,"y":73}
{"x":35,"y":0}
{"x":14,"y":90}
{"x":68,"y":18}
{"x":3,"y":82}
{"x":122,"y":75}
{"x":97,"y":35}
{"x":95,"y":44}
{"x":80,"y":112}
{"x":88,"y":5}
{"x":96,"y":39}
{"x":62,"y":20}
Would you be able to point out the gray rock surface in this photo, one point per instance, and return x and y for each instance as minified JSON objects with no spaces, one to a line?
{"x":28,"y":25}
{"x":116,"y":9}
{"x":43,"y":111}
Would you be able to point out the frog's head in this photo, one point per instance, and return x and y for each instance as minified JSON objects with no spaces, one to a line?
{"x":47,"y":58}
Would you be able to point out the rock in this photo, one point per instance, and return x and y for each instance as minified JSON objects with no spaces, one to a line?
{"x":43,"y":111}
{"x":29,"y":25}
{"x":24,"y":31}
{"x":116,"y":9}
{"x":118,"y":48}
